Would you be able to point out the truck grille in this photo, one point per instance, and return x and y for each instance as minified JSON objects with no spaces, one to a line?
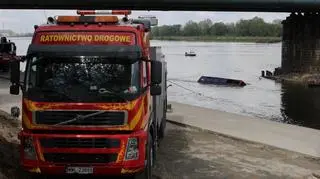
{"x":79,"y":143}
{"x":105,"y":119}
{"x":79,"y":158}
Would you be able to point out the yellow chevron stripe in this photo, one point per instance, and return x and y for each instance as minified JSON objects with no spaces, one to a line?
{"x":35,"y":170}
{"x":30,"y":105}
{"x":126,"y":171}
{"x":122,"y":152}
{"x":145,"y":121}
{"x":40,"y":151}
{"x":26,"y":121}
{"x":136,"y":118}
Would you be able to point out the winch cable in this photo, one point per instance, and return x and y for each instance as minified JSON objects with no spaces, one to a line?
{"x":182,"y":80}
{"x":188,"y":89}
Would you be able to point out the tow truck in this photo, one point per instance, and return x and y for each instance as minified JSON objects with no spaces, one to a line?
{"x":7,"y":53}
{"x":94,"y":96}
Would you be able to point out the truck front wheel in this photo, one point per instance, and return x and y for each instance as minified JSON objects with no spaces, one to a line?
{"x":147,"y":173}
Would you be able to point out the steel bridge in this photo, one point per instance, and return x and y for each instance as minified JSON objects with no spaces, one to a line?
{"x":301,"y":32}
{"x":169,"y":5}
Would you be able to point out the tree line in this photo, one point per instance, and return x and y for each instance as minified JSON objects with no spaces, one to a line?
{"x":255,"y":27}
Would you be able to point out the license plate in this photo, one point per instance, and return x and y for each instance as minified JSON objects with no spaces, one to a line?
{"x":79,"y":170}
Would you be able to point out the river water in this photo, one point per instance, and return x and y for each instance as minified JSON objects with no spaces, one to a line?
{"x":262,"y":98}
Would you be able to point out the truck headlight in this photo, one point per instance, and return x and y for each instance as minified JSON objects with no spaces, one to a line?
{"x":28,"y":149}
{"x":132,"y":152}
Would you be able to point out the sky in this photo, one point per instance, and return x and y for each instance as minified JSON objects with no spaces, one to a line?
{"x":22,"y":21}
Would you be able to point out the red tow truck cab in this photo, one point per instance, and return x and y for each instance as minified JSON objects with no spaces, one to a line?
{"x":94,"y":96}
{"x":7,"y":53}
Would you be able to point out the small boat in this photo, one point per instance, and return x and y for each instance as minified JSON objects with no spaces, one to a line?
{"x":190,"y":54}
{"x":220,"y":81}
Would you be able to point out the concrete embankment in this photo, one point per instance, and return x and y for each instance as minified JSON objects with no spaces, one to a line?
{"x":285,"y":136}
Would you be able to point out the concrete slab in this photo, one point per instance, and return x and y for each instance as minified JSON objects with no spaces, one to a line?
{"x":285,"y":136}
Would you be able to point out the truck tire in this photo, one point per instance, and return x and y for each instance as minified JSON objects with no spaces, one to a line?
{"x":147,"y":173}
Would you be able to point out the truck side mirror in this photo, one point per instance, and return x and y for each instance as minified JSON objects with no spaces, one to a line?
{"x":15,"y":77}
{"x":15,"y":72}
{"x":155,"y":90}
{"x":156,"y":72}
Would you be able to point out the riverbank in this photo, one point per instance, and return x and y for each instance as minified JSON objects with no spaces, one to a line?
{"x":20,"y":36}
{"x":299,"y":78}
{"x":302,"y":79}
{"x":209,"y":39}
{"x":220,"y":39}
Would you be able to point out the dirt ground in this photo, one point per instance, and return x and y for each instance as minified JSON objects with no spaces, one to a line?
{"x":187,"y":153}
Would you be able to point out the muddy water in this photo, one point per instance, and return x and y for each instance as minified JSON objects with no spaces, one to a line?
{"x":261,"y":98}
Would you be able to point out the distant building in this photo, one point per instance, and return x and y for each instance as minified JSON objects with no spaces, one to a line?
{"x":6,"y":33}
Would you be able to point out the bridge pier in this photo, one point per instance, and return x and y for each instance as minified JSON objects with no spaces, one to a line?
{"x":301,"y":43}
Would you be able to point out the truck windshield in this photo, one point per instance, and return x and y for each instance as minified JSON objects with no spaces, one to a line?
{"x":81,"y":79}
